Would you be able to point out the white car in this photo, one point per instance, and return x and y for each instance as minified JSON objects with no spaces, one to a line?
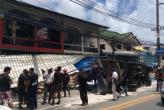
{"x":162,"y":94}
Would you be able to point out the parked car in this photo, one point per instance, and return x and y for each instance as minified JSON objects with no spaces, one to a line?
{"x":162,"y":95}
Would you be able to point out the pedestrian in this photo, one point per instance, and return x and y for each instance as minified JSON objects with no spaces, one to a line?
{"x":115,"y":82}
{"x":23,"y":85}
{"x":5,"y":87}
{"x":57,"y":85}
{"x":124,"y":82}
{"x":82,"y":80}
{"x":160,"y":78}
{"x":95,"y":71}
{"x":32,"y":92}
{"x":66,"y":79}
{"x":49,"y":77}
{"x":157,"y":78}
{"x":26,"y":80}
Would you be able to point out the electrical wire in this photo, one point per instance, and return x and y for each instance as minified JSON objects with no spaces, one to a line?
{"x":104,"y":11}
{"x":154,"y":4}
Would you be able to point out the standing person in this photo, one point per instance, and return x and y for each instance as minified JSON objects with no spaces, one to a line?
{"x":49,"y":77}
{"x":82,"y":79}
{"x":66,"y":79}
{"x":95,"y":71}
{"x":160,"y":78}
{"x":157,"y":78}
{"x":23,"y":84}
{"x":57,"y":85}
{"x":5,"y":87}
{"x":114,"y":85}
{"x":124,"y":83}
{"x":32,"y":92}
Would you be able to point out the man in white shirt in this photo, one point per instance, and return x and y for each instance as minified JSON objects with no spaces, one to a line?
{"x":114,"y":85}
{"x":48,"y":85}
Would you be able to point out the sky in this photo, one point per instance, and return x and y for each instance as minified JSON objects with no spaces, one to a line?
{"x":143,"y":10}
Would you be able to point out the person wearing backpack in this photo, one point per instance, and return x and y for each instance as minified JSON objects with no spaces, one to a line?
{"x":5,"y":87}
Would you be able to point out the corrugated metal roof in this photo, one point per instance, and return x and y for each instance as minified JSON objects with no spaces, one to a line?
{"x":46,"y":61}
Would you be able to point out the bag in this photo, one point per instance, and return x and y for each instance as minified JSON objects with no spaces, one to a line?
{"x":116,"y":81}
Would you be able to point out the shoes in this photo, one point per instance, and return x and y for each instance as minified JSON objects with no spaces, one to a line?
{"x":82,"y":104}
{"x":114,"y":99}
{"x":58,"y":102}
{"x":20,"y":107}
{"x":43,"y":103}
{"x":53,"y":102}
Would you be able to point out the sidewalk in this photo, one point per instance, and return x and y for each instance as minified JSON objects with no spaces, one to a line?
{"x":74,"y":101}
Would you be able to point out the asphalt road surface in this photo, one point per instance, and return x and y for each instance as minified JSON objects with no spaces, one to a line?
{"x":145,"y":102}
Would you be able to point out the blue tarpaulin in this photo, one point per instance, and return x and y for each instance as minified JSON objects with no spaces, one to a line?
{"x":85,"y":63}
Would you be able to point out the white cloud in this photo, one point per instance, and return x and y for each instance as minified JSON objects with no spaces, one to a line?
{"x":144,"y":12}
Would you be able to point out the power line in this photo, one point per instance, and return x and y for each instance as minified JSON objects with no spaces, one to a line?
{"x":154,"y":4}
{"x":104,"y":11}
{"x":115,"y":13}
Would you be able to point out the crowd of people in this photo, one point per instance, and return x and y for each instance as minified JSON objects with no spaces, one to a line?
{"x":56,"y":81}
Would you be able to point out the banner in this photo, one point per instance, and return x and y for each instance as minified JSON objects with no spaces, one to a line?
{"x":42,"y":34}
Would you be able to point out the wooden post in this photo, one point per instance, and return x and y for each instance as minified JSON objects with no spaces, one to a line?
{"x":1,"y":30}
{"x":62,"y":40}
{"x":82,"y":44}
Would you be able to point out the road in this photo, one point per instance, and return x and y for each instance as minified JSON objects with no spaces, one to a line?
{"x":145,"y":102}
{"x":153,"y":104}
{"x":145,"y":98}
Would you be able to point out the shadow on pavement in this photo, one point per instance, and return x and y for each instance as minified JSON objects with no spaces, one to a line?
{"x":160,"y":104}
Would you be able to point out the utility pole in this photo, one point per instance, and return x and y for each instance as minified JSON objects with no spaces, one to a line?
{"x":158,"y":28}
{"x":157,"y":31}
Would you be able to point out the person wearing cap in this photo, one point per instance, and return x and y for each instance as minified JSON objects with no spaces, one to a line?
{"x":66,"y":79}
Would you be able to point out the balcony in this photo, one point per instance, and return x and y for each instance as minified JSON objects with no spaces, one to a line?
{"x":23,"y":44}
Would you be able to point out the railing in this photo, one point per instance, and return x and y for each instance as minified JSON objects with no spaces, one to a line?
{"x":18,"y":41}
{"x":79,"y":48}
{"x":72,"y":47}
{"x":90,"y":49}
{"x":31,"y":42}
{"x":49,"y":44}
